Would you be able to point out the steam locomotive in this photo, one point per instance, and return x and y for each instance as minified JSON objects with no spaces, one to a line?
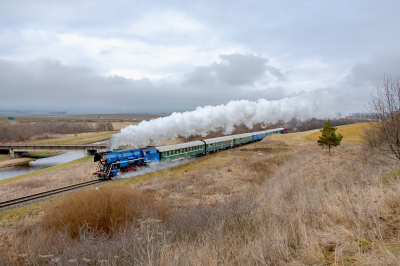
{"x":113,"y":163}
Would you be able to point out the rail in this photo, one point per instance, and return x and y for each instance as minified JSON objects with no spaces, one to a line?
{"x":48,"y":193}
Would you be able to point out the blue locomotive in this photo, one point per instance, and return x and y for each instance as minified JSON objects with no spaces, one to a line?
{"x":112,"y":163}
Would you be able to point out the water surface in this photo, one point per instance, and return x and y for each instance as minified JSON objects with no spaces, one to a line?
{"x":40,"y":164}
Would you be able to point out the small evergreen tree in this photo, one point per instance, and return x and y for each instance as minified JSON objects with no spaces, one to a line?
{"x":329,"y":137}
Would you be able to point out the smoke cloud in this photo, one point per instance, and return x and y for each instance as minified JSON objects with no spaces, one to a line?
{"x":318,"y":104}
{"x":154,"y":168}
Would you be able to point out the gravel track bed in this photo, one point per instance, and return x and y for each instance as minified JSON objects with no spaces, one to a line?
{"x":58,"y":195}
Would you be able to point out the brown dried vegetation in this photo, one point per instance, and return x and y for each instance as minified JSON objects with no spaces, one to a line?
{"x":101,"y":211}
{"x":51,"y":180}
{"x":289,"y":205}
{"x":15,"y":132}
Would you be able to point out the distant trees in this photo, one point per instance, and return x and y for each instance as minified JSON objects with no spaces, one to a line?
{"x":329,"y":137}
{"x":383,"y":134}
{"x":104,"y":127}
{"x":42,"y":130}
{"x":315,"y":123}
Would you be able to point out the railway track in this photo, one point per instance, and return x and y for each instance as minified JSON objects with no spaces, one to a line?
{"x":44,"y":194}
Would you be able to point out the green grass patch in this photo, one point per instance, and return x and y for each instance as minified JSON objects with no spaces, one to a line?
{"x":5,"y":157}
{"x":42,"y":154}
{"x":280,"y":148}
{"x":79,"y":140}
{"x":83,"y":160}
{"x":13,"y":217}
{"x":391,"y":176}
{"x":363,"y":244}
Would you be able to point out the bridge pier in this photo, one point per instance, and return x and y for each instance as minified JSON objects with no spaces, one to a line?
{"x":17,"y":154}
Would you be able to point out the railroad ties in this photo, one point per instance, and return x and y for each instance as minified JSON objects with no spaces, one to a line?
{"x":13,"y":202}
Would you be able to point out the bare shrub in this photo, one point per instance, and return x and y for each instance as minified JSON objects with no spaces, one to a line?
{"x":103,"y":211}
{"x":110,"y":127}
{"x":383,"y":134}
{"x":104,"y":127}
{"x":101,"y":127}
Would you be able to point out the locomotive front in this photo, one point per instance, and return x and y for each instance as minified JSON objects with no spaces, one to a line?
{"x":112,"y":163}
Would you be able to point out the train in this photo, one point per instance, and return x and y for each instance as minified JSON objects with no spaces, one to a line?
{"x":112,"y":163}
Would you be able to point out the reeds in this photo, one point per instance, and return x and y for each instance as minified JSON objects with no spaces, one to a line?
{"x":101,"y":211}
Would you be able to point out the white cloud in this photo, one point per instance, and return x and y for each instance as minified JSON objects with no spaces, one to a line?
{"x":156,"y":25}
{"x":174,"y":44}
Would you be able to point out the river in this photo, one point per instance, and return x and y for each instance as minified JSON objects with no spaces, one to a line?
{"x":41,"y":163}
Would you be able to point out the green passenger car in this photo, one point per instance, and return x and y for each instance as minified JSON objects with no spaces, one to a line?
{"x":221,"y":143}
{"x":273,"y":131}
{"x":242,"y":138}
{"x":181,"y":151}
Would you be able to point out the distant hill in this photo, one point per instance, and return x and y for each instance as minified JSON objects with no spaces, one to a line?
{"x":351,"y":133}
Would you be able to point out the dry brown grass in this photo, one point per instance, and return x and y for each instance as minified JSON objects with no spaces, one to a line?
{"x":263,"y":204}
{"x":213,"y":178}
{"x":120,"y":125}
{"x":70,"y":175}
{"x":101,"y":211}
{"x":351,"y":133}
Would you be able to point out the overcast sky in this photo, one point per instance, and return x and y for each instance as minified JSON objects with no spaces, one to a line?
{"x":164,"y":56}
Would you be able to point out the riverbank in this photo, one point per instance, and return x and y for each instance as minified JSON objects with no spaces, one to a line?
{"x":81,"y":139}
{"x":6,"y":160}
{"x":14,"y":161}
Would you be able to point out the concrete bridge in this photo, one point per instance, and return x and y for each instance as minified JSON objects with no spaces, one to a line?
{"x":18,"y":150}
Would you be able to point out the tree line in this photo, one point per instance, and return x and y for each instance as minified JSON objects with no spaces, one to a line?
{"x":296,"y":125}
{"x":43,"y":130}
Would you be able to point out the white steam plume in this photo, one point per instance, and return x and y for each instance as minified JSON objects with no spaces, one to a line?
{"x":155,"y":167}
{"x":205,"y":119}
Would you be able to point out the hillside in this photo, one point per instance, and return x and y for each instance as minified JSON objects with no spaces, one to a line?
{"x":351,"y":133}
{"x":280,"y":201}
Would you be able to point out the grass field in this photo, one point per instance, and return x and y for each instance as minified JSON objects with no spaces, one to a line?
{"x":267,"y":203}
{"x":42,"y":154}
{"x":5,"y":157}
{"x":85,"y":138}
{"x":214,"y":160}
{"x":280,"y":201}
{"x":300,"y":138}
{"x":120,"y":125}
{"x":351,"y":133}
